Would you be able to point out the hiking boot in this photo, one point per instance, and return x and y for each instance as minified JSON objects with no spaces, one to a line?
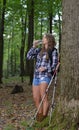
{"x":39,"y":117}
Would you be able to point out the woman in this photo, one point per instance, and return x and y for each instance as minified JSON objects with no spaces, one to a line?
{"x":43,"y":69}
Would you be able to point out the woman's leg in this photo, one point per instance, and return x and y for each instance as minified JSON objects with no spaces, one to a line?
{"x":37,"y":97}
{"x":43,"y":87}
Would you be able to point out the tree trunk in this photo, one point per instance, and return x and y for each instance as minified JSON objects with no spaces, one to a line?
{"x":12,"y":51}
{"x":50,"y":22}
{"x":1,"y":39}
{"x":41,"y":25}
{"x":59,"y":32}
{"x":22,"y":47}
{"x":30,"y":64}
{"x":8,"y":61}
{"x":50,"y":17}
{"x":69,"y":74}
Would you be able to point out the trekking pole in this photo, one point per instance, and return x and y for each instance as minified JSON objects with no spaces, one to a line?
{"x":34,"y":118}
{"x":53,"y":97}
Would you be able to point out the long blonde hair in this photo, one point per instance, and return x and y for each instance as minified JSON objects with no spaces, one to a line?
{"x":51,"y":44}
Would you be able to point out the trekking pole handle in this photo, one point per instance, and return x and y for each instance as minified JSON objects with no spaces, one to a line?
{"x":56,"y":68}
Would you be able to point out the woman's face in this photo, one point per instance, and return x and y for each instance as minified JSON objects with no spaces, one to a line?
{"x":45,"y":42}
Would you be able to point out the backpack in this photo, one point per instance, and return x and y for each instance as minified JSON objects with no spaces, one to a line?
{"x":50,"y":57}
{"x":50,"y":54}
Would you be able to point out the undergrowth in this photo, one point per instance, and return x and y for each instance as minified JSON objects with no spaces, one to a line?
{"x":60,"y":121}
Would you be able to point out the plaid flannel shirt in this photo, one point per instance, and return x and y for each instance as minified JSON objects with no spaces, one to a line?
{"x":43,"y":62}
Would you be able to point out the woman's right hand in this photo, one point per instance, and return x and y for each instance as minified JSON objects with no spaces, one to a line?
{"x":35,"y":43}
{"x":41,"y":69}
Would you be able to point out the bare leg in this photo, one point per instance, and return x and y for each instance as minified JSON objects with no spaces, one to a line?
{"x":43,"y":87}
{"x":37,"y":97}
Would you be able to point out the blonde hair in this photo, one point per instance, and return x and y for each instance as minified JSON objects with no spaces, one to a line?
{"x":51,"y":44}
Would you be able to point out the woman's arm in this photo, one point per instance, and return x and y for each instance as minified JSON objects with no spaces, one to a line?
{"x":32,"y":53}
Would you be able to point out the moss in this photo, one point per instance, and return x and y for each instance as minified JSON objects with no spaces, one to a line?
{"x":9,"y":127}
{"x":24,"y":123}
{"x":62,"y":121}
{"x":44,"y":123}
{"x":73,"y":127}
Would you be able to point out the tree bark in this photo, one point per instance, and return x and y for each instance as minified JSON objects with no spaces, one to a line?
{"x":69,"y":74}
{"x":2,"y":39}
{"x":50,"y":22}
{"x":30,"y":64}
{"x":59,"y":32}
{"x":22,"y":70}
{"x":50,"y":15}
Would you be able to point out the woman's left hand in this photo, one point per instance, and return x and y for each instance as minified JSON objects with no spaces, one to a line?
{"x":41,"y":69}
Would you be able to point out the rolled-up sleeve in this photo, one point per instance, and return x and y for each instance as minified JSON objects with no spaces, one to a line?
{"x":32,"y":53}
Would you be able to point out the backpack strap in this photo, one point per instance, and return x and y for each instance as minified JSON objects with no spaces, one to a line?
{"x":50,"y":54}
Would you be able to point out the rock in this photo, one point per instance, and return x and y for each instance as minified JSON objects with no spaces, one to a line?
{"x":17,"y":89}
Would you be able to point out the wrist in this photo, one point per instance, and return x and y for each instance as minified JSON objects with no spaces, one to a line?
{"x":34,"y":46}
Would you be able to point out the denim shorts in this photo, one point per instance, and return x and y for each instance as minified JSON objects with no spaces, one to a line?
{"x":38,"y":81}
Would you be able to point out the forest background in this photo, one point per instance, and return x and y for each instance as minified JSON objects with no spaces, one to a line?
{"x":21,"y":22}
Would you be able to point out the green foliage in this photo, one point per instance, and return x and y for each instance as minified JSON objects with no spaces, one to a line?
{"x":42,"y":124}
{"x":16,"y":13}
{"x":60,"y":121}
{"x":24,"y":123}
{"x":9,"y":127}
{"x":14,"y":79}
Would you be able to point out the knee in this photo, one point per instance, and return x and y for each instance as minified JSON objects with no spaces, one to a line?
{"x":36,"y":99}
{"x":45,"y":100}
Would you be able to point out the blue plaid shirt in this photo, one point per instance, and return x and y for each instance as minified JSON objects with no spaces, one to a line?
{"x":43,"y":62}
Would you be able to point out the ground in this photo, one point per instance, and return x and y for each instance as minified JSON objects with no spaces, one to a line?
{"x":15,"y":109}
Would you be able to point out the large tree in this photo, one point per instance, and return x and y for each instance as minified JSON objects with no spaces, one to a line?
{"x":70,"y":50}
{"x":30,"y":6}
{"x":2,"y":13}
{"x":23,"y":22}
